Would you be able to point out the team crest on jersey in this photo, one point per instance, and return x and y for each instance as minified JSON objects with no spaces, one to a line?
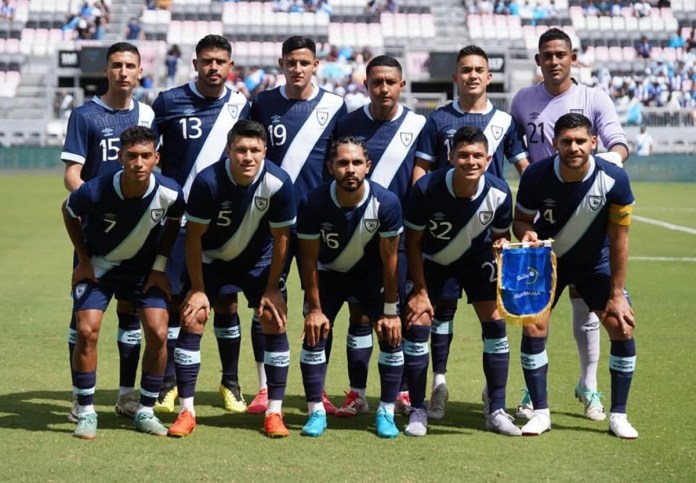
{"x":260,"y":202}
{"x":79,"y":291}
{"x":156,"y":214}
{"x":406,"y":138}
{"x":576,"y":111}
{"x":233,"y":109}
{"x":595,"y":201}
{"x":322,"y":117}
{"x":485,"y":217}
{"x":497,"y":132}
{"x":371,"y":224}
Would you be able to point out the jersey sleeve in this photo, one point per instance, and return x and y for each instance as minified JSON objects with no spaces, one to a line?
{"x":427,"y":141}
{"x":283,"y":210}
{"x":307,"y":219}
{"x":200,"y":207}
{"x":390,"y":217}
{"x":606,"y":122}
{"x":76,"y":140}
{"x":177,"y":209}
{"x":503,"y":215}
{"x":515,"y":148}
{"x":80,"y":201}
{"x":416,"y":216}
{"x":159,"y":109}
{"x":527,"y":199}
{"x":621,"y":193}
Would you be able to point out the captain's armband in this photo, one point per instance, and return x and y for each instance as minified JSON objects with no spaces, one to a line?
{"x":620,"y":214}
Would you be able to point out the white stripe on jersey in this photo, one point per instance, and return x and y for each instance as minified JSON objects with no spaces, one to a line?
{"x":308,"y":135}
{"x":584,"y":214}
{"x":146,"y":116}
{"x":499,"y":120}
{"x":215,"y":143}
{"x":131,"y":244}
{"x":238,"y":242}
{"x":354,"y":250}
{"x":459,"y":245}
{"x":397,"y":150}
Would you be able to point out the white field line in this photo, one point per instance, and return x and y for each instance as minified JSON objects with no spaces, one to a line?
{"x":663,"y":259}
{"x":664,"y":224}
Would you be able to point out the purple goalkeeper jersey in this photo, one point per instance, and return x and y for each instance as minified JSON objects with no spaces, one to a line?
{"x":536,"y":111}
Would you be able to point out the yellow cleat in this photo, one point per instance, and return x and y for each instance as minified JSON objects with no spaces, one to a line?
{"x":232,"y":398}
{"x":166,"y":402}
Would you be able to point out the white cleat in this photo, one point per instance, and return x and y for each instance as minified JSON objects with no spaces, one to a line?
{"x":540,"y":422}
{"x":592,"y":400}
{"x":502,"y":423}
{"x":620,"y":427}
{"x":417,"y":423}
{"x":525,"y":410}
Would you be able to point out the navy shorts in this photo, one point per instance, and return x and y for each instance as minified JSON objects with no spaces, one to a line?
{"x":225,"y":278}
{"x":475,"y":275}
{"x":335,"y":288}
{"x":592,"y":283}
{"x":92,"y":296}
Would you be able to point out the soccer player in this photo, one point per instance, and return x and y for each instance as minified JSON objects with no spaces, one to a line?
{"x":584,"y":203}
{"x":536,"y":110}
{"x":193,"y":120}
{"x":300,"y":118}
{"x":349,"y":239}
{"x":91,"y":149}
{"x":114,"y":224}
{"x":471,"y":108}
{"x":453,"y":219}
{"x":239,"y":213}
{"x":390,"y":132}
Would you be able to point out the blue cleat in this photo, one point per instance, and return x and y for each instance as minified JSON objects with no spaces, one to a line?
{"x":316,"y":424}
{"x":386,"y":427}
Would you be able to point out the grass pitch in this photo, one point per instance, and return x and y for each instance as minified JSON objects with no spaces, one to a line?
{"x":36,"y":445}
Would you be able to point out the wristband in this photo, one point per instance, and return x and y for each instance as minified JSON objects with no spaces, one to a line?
{"x":390,"y":308}
{"x":160,"y":263}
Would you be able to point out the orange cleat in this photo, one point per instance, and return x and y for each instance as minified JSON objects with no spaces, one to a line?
{"x":274,"y":427}
{"x":183,"y":426}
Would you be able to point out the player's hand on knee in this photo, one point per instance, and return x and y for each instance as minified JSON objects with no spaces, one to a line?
{"x":159,"y":280}
{"x":388,"y":328}
{"x":618,"y":315}
{"x":316,"y":328}
{"x":84,"y":273}
{"x":195,"y":309}
{"x":419,"y":310}
{"x":273,"y":305}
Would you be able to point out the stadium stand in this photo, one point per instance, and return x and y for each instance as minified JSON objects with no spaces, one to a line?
{"x":41,"y":46}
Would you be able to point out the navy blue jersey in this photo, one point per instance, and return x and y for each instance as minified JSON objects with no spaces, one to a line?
{"x":240,"y":218}
{"x":455,"y":227}
{"x":504,"y":139}
{"x":92,"y":137}
{"x":575,"y":214}
{"x":194,"y":129}
{"x":299,"y":133}
{"x":349,"y":236}
{"x":121,"y":234}
{"x":391,"y":145}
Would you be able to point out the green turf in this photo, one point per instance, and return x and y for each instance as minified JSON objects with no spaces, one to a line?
{"x":36,"y":445}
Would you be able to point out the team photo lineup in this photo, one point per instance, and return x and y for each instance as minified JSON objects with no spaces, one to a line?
{"x":182,"y":210}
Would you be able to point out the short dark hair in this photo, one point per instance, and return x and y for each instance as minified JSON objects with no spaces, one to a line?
{"x":383,"y":61}
{"x":555,"y":34}
{"x":297,"y":42}
{"x":333,"y":150}
{"x":469,"y":135}
{"x":122,"y":47}
{"x":137,"y":135}
{"x":213,"y":41}
{"x":246,"y":128}
{"x":472,"y":50}
{"x":572,"y":120}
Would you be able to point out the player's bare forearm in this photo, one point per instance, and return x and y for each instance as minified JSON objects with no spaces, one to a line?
{"x":521,"y":165}
{"x":71,"y":178}
{"x":389,"y":253}
{"x":388,"y":328}
{"x":618,"y":256}
{"x":414,"y":259}
{"x":420,"y":169}
{"x":500,"y":239}
{"x":281,"y":242}
{"x":168,"y":237}
{"x":523,"y":227}
{"x":194,"y":255}
{"x":309,"y":256}
{"x":74,"y":229}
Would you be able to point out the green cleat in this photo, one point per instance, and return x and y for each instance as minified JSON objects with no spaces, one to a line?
{"x":149,"y":424}
{"x":86,"y":426}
